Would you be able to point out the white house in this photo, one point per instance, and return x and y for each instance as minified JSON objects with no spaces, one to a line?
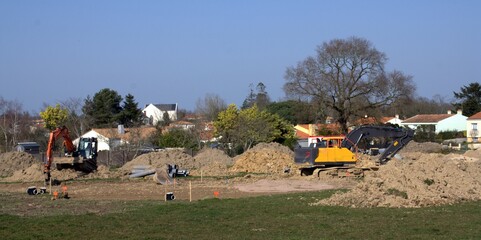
{"x":155,"y":112}
{"x":438,"y":122}
{"x":473,"y":124}
{"x":393,"y":120}
{"x":109,"y":138}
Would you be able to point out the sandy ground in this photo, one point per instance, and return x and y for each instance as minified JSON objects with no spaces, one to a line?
{"x":183,"y":189}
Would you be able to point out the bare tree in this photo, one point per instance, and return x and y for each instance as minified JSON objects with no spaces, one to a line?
{"x":210,"y":106}
{"x":76,"y":121}
{"x":348,"y":77}
{"x":12,"y":123}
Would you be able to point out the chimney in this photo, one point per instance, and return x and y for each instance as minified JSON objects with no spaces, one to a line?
{"x":120,"y":129}
{"x":460,"y":112}
{"x":396,"y":116}
{"x":312,"y":130}
{"x":449,"y":111}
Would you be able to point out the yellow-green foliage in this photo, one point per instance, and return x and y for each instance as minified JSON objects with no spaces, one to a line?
{"x":247,"y":127}
{"x":54,"y":116}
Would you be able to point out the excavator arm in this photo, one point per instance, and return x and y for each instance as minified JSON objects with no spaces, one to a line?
{"x":396,"y":137}
{"x":67,"y":142}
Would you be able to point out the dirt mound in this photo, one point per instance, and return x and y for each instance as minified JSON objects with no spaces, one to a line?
{"x":265,"y":158}
{"x":14,"y":161}
{"x":34,"y":173}
{"x":23,"y":167}
{"x":160,"y":160}
{"x":473,"y":153}
{"x":425,"y":147}
{"x":417,"y":181}
{"x":30,"y":174}
{"x":212,"y":162}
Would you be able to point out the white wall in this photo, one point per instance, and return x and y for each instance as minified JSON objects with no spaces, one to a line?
{"x":456,"y":122}
{"x":103,"y":143}
{"x":157,"y":115}
{"x":476,"y":133}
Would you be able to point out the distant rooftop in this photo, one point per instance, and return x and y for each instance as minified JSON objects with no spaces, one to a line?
{"x":166,"y":107}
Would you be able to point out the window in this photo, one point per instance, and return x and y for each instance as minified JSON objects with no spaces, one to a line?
{"x":474,"y":126}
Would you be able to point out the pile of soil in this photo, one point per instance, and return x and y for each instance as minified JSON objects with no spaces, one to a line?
{"x":23,"y":167}
{"x":212,"y":162}
{"x":34,"y":173}
{"x":272,"y":158}
{"x":425,"y":147}
{"x":473,"y":153}
{"x":160,"y":160}
{"x":421,"y":179}
{"x":14,"y":161}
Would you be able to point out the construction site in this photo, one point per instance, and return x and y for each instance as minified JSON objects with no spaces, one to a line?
{"x":420,"y":176}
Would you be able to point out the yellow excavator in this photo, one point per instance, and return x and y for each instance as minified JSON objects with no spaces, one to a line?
{"x":339,"y":155}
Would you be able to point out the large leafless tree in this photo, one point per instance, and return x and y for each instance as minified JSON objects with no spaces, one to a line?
{"x":348,"y":77}
{"x":210,"y":106}
{"x":14,"y":124}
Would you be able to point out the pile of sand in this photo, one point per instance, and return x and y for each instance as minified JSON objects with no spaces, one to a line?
{"x":473,"y":153}
{"x":23,"y":167}
{"x":212,"y":162}
{"x":34,"y":173}
{"x":160,"y":160}
{"x":419,"y":180}
{"x":425,"y":147}
{"x":265,"y":158}
{"x":14,"y":161}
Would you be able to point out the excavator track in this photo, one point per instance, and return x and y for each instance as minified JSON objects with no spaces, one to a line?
{"x":337,"y":171}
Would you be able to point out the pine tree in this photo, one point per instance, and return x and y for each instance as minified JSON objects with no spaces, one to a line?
{"x":130,"y":115}
{"x":469,"y":99}
{"x":104,"y":108}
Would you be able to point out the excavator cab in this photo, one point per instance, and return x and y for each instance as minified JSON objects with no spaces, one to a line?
{"x":87,"y":148}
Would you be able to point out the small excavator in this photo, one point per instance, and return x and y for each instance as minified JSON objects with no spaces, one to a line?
{"x":81,"y":158}
{"x":339,"y":155}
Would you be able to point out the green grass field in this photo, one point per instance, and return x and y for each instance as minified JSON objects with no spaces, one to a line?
{"x":287,"y":216}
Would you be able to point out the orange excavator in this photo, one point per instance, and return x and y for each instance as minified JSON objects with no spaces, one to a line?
{"x":81,"y":158}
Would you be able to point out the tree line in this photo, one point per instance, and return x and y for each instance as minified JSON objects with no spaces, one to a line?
{"x":345,"y":79}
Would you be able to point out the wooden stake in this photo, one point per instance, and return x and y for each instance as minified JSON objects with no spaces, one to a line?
{"x":165,"y":193}
{"x":50,"y":190}
{"x":190,"y":191}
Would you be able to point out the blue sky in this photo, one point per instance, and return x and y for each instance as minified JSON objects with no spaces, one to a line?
{"x":178,"y":51}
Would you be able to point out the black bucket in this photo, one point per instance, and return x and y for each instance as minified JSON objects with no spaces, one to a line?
{"x":32,"y":191}
{"x":169,"y":196}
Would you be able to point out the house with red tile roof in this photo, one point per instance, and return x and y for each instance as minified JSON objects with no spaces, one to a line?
{"x":473,"y":124}
{"x":373,"y":120}
{"x":438,"y":122}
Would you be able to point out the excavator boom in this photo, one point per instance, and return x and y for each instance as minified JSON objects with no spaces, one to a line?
{"x":395,"y":139}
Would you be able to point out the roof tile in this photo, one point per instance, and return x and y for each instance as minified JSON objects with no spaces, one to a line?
{"x":427,"y":118}
{"x":476,"y":116}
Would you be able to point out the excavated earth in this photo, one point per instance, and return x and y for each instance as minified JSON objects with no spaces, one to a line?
{"x":423,"y":177}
